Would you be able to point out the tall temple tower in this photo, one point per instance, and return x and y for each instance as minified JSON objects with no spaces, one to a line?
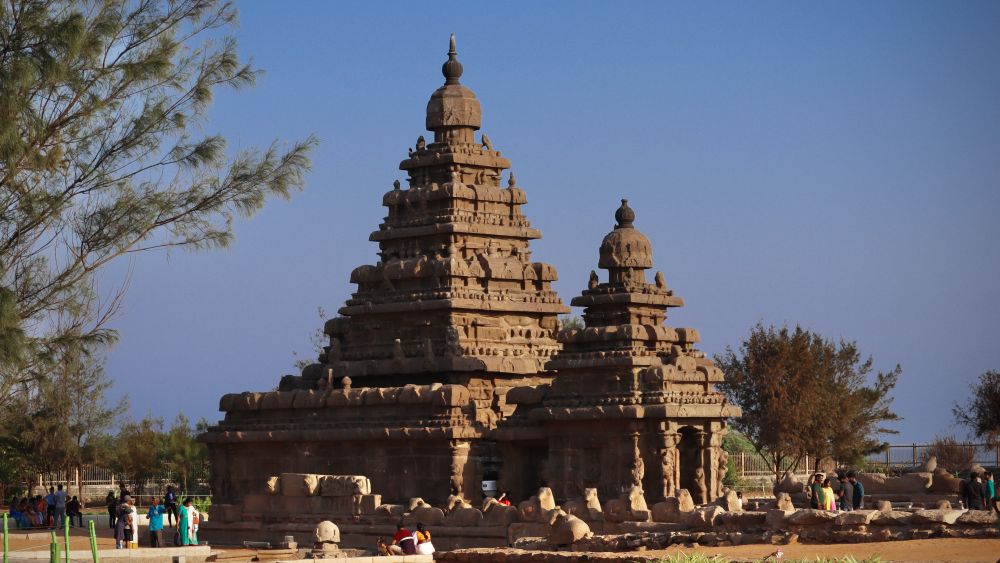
{"x":455,"y":297}
{"x":452,"y":316}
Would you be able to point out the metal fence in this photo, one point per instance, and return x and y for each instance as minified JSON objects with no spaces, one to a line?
{"x":905,"y":457}
{"x":895,"y":458}
{"x":92,"y":483}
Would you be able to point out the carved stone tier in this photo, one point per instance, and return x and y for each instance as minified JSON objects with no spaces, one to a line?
{"x":634,"y":402}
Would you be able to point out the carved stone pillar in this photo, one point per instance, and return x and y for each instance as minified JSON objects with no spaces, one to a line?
{"x":638,"y":470}
{"x":701,"y":492}
{"x":459,"y":451}
{"x":667,"y":441}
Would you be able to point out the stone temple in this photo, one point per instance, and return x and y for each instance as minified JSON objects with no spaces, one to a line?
{"x":447,"y":366}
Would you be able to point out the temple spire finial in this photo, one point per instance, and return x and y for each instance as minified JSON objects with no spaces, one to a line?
{"x":452,"y":69}
{"x":624,"y":216}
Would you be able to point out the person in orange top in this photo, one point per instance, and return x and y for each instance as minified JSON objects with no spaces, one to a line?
{"x":503,"y":499}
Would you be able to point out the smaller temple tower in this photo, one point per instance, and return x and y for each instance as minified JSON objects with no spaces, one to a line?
{"x":634,"y":402}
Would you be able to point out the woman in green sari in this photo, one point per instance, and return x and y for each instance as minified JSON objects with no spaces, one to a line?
{"x":185,"y":524}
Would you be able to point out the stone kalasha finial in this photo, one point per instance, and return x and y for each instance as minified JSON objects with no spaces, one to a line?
{"x":625,"y":216}
{"x":452,"y":69}
{"x":511,"y":181}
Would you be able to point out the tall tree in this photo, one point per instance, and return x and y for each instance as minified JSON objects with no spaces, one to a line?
{"x":138,"y":452}
{"x":804,"y":395}
{"x":101,"y":104}
{"x":184,"y":456}
{"x":980,"y":413}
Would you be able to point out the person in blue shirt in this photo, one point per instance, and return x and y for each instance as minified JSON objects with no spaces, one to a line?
{"x":50,"y":510}
{"x":156,"y":511}
{"x":859,"y":491}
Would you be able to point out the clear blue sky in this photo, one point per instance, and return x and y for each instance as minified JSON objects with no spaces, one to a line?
{"x":830,"y":164}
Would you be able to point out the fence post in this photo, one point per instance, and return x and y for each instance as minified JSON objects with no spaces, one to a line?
{"x":888,"y":457}
{"x":93,"y":542}
{"x":914,"y":454}
{"x":66,"y":534}
{"x":6,"y":547}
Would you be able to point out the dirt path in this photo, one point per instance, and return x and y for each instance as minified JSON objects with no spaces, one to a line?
{"x":912,"y":550}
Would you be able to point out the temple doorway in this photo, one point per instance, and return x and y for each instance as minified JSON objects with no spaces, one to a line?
{"x":689,"y":449}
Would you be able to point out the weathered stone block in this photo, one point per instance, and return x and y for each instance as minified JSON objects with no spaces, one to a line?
{"x":977,"y":518}
{"x":257,"y":503}
{"x":742,"y":520}
{"x":892,"y":518}
{"x":944,"y":482}
{"x":912,"y":483}
{"x":856,"y":518}
{"x":811,"y":517}
{"x":537,"y":507}
{"x":936,"y":516}
{"x":463,"y":517}
{"x":778,"y":519}
{"x":392,"y":511}
{"x":704,"y":517}
{"x":344,"y":485}
{"x":369,"y":503}
{"x":731,"y":503}
{"x":426,"y":515}
{"x":500,"y":515}
{"x":783,"y":501}
{"x":273,"y":485}
{"x":568,"y":529}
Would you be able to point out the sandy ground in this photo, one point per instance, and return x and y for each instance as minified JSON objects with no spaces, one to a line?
{"x":914,"y":550}
{"x":38,"y":540}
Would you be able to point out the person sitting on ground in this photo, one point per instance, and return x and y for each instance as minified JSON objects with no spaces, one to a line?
{"x":859,"y":491}
{"x":403,"y":543}
{"x":17,"y":513}
{"x":739,"y":495}
{"x":74,"y":508}
{"x":383,"y":550}
{"x":42,"y":510}
{"x":424,"y":545}
{"x":829,"y":498}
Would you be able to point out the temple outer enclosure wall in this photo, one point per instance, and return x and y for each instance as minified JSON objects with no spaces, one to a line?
{"x":447,"y":367}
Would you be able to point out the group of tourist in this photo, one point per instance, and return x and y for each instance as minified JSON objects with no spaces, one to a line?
{"x":49,"y":511}
{"x":406,"y":542}
{"x":123,"y":518}
{"x":849,"y":496}
{"x":979,"y":492}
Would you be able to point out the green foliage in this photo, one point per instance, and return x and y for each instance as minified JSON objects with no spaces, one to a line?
{"x":980,"y":413}
{"x":736,"y":442}
{"x":804,"y":395}
{"x":571,"y":322}
{"x":201,"y":504}
{"x":183,"y":455}
{"x":101,"y":156}
{"x":138,"y":452}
